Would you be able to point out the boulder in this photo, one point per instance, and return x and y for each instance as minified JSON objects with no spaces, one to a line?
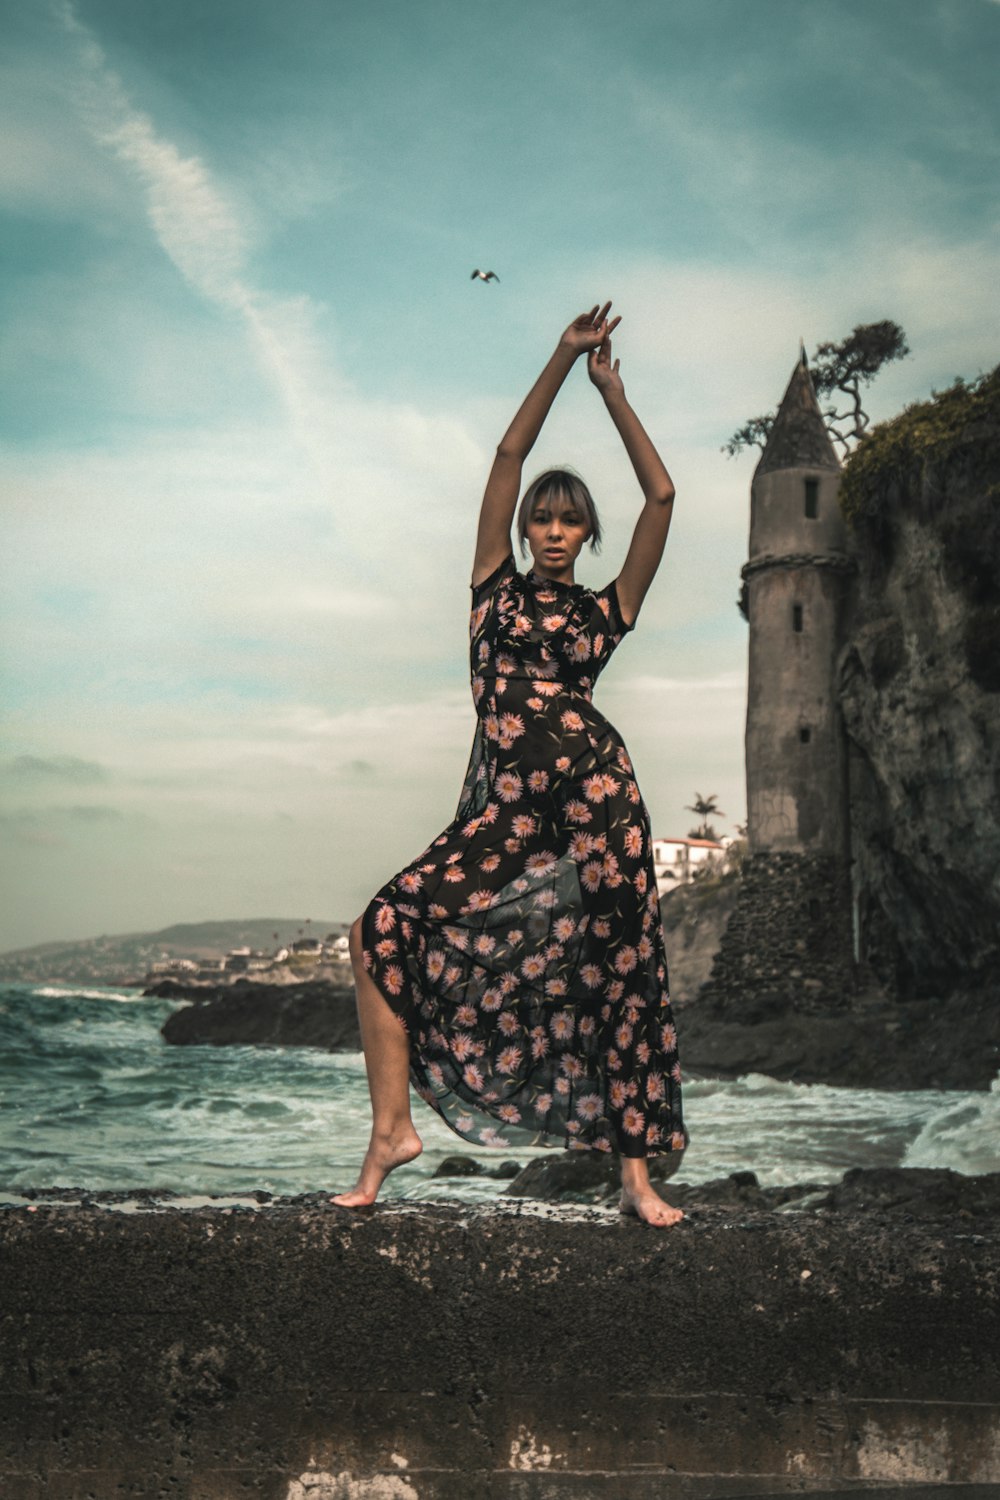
{"x":314,"y":1014}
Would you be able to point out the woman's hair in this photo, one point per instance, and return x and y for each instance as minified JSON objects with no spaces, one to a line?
{"x":568,"y":485}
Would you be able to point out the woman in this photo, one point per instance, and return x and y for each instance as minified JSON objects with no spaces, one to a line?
{"x":523,"y":951}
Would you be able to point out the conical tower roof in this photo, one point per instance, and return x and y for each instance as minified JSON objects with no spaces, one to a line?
{"x":798,"y":439}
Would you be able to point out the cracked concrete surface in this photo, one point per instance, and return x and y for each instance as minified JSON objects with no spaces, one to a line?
{"x":527,"y":1352}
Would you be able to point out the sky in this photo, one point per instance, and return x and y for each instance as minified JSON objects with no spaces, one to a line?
{"x":250,"y":395}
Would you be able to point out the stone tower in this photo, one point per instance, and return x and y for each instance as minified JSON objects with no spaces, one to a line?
{"x":788,"y":944}
{"x":794,"y":586}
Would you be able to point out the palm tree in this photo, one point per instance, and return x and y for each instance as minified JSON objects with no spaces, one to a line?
{"x":705,"y":807}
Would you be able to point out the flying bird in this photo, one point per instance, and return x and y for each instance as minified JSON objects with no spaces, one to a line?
{"x":484,"y":276}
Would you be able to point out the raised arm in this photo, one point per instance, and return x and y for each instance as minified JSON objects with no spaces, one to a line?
{"x":585,"y":333}
{"x":650,"y":535}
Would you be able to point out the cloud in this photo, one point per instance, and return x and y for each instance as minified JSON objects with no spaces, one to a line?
{"x":359,"y":767}
{"x":201,"y":230}
{"x":25,"y":829}
{"x":56,"y":768}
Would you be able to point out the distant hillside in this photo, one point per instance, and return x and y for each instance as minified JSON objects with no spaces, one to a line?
{"x":125,"y":958}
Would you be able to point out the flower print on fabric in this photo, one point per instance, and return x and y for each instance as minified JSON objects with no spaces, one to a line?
{"x":523,"y":950}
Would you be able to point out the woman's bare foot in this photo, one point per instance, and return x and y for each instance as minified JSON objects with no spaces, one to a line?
{"x":384,"y":1154}
{"x":646,"y":1204}
{"x":640,"y":1198}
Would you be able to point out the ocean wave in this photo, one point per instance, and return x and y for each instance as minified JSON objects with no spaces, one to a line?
{"x":93,"y":1094}
{"x":56,"y":992}
{"x":963,"y":1133}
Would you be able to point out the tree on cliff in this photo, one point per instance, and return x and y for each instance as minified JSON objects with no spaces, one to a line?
{"x":838,"y":370}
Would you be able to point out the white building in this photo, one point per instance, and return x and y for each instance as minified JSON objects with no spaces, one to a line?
{"x":337,"y":949}
{"x":174,"y":966}
{"x":677,"y":860}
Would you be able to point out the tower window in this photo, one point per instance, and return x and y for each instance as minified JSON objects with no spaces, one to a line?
{"x":812,"y":499}
{"x":805,"y":733}
{"x":815,"y":910}
{"x":796,"y":616}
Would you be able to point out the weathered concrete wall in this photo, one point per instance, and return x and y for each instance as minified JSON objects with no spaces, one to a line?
{"x":443,"y":1353}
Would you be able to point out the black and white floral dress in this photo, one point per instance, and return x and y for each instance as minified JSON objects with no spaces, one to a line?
{"x":523,"y":950}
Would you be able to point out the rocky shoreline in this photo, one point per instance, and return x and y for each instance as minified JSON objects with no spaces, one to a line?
{"x":911,"y":1194}
{"x":874,"y":1043}
{"x":920,"y":1044}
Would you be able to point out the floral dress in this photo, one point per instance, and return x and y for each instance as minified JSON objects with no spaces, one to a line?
{"x":523,"y":950}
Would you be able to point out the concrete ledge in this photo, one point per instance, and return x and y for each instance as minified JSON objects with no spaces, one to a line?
{"x":442,"y":1352}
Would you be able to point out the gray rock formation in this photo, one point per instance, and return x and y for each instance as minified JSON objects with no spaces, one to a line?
{"x":694,"y":918}
{"x":877,"y":1043}
{"x":315,"y":1014}
{"x":920,"y":694}
{"x":916,"y":1192}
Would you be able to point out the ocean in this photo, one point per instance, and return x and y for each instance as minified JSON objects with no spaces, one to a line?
{"x":92,"y":1097}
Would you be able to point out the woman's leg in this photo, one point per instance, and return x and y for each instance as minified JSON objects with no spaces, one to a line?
{"x":639,"y":1196}
{"x":387,"y":1061}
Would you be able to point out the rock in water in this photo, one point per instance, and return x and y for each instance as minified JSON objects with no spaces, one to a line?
{"x":315,"y":1014}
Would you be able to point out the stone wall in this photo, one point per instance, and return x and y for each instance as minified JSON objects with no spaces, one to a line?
{"x":448,"y":1352}
{"x":787,"y":946}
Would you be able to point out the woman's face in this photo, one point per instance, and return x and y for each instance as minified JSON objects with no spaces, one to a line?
{"x":556,"y":530}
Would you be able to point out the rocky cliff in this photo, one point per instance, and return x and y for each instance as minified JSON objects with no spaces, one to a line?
{"x":919,"y":687}
{"x":918,"y":683}
{"x":694,"y":918}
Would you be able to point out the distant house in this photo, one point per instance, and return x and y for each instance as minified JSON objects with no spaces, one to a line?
{"x":211,"y":968}
{"x":237,"y":961}
{"x":676,"y":860}
{"x":163,"y":966}
{"x":307,"y":947}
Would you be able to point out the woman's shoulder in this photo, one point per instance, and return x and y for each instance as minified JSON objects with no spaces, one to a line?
{"x":504,"y":572}
{"x":606,"y":600}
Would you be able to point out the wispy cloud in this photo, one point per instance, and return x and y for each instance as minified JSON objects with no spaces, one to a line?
{"x":55,"y":768}
{"x":201,"y":230}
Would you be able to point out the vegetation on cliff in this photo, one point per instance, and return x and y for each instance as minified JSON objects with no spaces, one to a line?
{"x":962,"y":421}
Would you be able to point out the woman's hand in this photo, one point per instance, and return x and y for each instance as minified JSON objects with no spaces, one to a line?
{"x":588,"y":331}
{"x":602,"y":372}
